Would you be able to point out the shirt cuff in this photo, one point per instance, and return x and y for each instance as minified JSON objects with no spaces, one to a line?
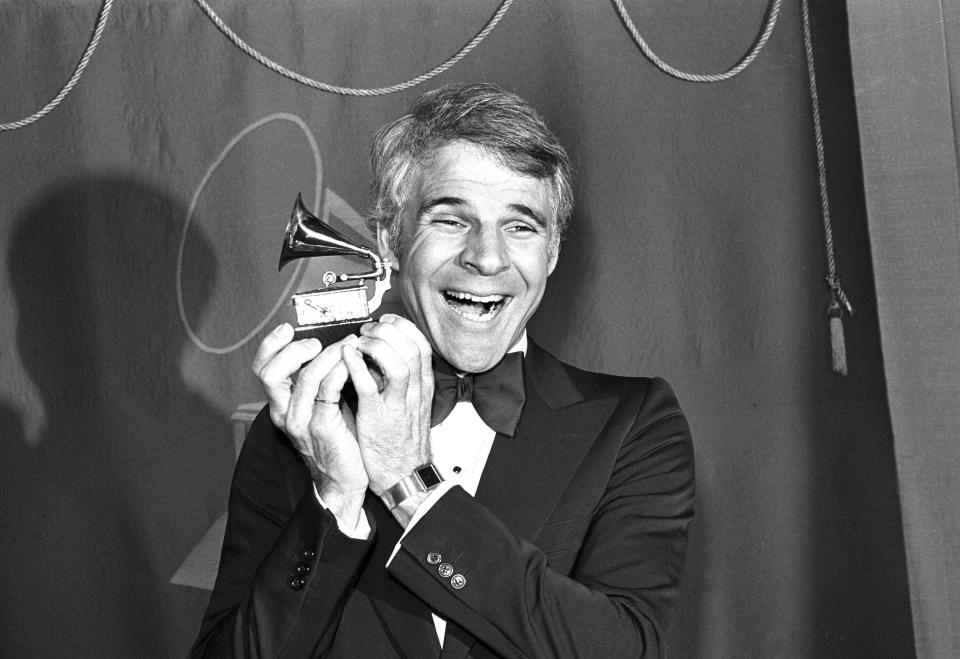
{"x":361,"y":531}
{"x":422,"y":510}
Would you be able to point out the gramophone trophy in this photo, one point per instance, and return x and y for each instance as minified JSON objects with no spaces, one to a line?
{"x":321,"y":309}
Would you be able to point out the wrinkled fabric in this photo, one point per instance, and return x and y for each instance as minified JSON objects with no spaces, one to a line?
{"x":140,"y":228}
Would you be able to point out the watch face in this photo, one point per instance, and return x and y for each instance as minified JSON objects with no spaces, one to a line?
{"x":429,"y":476}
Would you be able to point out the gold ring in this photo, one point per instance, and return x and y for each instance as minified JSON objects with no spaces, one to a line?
{"x":324,"y":400}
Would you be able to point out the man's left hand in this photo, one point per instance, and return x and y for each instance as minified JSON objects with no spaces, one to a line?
{"x":393,"y":416}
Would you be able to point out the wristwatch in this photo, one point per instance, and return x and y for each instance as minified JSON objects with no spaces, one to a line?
{"x":423,"y":479}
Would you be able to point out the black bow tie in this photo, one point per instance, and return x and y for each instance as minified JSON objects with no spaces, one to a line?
{"x":497,"y":394}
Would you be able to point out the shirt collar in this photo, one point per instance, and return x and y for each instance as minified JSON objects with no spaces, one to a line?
{"x":520,"y":345}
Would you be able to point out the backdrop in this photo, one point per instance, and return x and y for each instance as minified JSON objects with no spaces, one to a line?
{"x":140,"y":224}
{"x":905,"y":70}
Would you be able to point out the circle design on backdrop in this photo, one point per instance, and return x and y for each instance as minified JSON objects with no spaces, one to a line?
{"x":187,"y":327}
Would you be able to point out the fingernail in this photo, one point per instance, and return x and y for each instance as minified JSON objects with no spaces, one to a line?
{"x":282,"y":328}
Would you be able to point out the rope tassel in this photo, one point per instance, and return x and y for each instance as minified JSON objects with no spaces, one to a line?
{"x":838,"y":346}
{"x":839,"y":304}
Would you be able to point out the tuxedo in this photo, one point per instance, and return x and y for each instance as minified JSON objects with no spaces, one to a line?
{"x":573,"y":545}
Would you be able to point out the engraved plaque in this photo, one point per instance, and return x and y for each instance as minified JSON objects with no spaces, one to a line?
{"x":332,"y":307}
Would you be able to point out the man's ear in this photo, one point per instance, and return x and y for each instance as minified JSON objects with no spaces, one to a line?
{"x":554,"y":255}
{"x":384,"y":246}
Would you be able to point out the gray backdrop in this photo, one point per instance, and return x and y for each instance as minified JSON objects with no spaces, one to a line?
{"x":140,"y":226}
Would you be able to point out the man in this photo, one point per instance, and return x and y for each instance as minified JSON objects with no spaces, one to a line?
{"x":358,"y":530}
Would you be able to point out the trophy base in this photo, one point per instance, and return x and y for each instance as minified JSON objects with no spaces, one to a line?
{"x":328,"y":333}
{"x":331,"y":306}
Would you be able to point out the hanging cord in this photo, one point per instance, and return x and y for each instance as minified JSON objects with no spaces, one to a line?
{"x":838,"y":299}
{"x":773,"y":11}
{"x":353,"y":91}
{"x":81,"y":65}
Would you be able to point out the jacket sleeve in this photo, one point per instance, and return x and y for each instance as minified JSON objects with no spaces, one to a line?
{"x":616,"y":600}
{"x":285,"y":568}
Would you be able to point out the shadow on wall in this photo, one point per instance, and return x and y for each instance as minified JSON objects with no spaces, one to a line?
{"x":130,"y":467}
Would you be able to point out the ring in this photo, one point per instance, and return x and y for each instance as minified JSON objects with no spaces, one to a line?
{"x":324,"y":400}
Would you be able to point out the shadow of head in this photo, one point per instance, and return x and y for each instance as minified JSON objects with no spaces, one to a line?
{"x":92,"y":271}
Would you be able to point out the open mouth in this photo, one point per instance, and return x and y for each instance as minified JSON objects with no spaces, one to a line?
{"x":474,"y":307}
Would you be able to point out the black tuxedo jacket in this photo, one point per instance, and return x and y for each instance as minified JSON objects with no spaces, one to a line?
{"x":573,"y":546}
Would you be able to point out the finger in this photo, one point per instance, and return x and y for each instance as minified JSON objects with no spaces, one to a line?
{"x":272,"y":344}
{"x":394,"y":334}
{"x":331,"y":388}
{"x":413,"y":333}
{"x":406,"y":340}
{"x":395,"y":367}
{"x":305,"y":391}
{"x":415,"y":350}
{"x":363,"y":382}
{"x":278,"y":375}
{"x":410,"y":330}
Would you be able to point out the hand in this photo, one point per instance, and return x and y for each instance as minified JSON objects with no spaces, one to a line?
{"x":296,"y":375}
{"x":393,"y":415}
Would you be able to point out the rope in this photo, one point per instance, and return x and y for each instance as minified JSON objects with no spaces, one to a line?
{"x":81,"y":65}
{"x":353,"y":91}
{"x":839,"y":300}
{"x":773,"y":11}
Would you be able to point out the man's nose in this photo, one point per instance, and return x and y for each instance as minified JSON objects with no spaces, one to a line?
{"x":485,"y":252}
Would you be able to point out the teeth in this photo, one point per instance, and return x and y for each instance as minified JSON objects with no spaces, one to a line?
{"x":475,"y":307}
{"x":473,"y":315}
{"x":488,"y":299}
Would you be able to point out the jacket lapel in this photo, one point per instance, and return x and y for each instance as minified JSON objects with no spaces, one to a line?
{"x":557,"y":428}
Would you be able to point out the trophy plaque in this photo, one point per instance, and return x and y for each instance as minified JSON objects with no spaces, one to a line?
{"x":321,"y":309}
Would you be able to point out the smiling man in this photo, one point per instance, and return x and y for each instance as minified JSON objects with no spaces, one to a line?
{"x":477,"y":245}
{"x":437,"y":484}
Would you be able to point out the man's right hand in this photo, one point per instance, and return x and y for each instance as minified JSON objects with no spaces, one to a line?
{"x":297,"y":377}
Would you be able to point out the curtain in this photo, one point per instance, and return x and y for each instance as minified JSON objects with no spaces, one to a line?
{"x":905,"y":69}
{"x":140,"y":223}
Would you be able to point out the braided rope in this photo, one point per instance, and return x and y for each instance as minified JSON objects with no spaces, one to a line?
{"x":773,"y":12}
{"x":833,"y":279}
{"x":81,"y":65}
{"x":353,"y":91}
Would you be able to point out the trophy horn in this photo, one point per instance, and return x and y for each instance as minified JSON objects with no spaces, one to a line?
{"x":307,"y":235}
{"x":318,"y":310}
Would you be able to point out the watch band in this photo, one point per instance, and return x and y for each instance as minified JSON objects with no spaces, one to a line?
{"x":423,"y":479}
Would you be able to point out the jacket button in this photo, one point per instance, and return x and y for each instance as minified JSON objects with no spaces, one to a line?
{"x":303,"y":568}
{"x":433,"y":558}
{"x":297,"y":583}
{"x":458,"y":581}
{"x":445,"y":570}
{"x":308,"y":554}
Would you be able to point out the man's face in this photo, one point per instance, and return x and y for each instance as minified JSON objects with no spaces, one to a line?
{"x":476,"y":239}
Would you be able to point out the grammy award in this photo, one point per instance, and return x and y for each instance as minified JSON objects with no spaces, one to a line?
{"x":321,"y":309}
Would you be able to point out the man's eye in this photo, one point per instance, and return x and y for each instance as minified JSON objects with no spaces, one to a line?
{"x":446,"y":220}
{"x":521,"y":228}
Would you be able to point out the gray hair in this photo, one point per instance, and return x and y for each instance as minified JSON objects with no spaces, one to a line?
{"x":484,"y":114}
